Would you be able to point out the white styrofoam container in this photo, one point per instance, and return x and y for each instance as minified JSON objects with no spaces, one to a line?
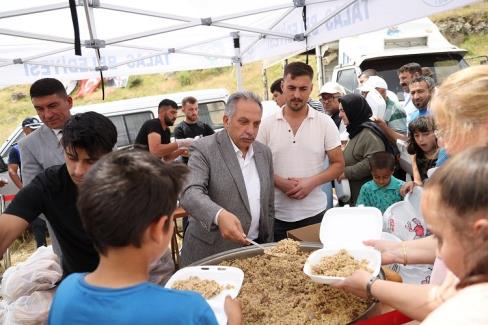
{"x":347,"y":228}
{"x":343,"y":190}
{"x":223,"y":275}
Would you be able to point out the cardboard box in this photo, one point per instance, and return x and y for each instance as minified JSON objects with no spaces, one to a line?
{"x":307,"y":233}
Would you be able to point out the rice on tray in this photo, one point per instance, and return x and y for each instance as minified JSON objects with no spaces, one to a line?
{"x":276,"y":291}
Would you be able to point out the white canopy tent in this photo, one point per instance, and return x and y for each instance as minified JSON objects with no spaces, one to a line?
{"x":124,"y":37}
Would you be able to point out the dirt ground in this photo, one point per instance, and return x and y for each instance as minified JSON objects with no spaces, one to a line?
{"x":20,"y":250}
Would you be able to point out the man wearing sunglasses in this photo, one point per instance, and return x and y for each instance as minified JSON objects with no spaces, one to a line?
{"x":329,"y":96}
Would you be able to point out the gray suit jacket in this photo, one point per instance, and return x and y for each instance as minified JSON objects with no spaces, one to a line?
{"x":216,"y":182}
{"x":38,"y":151}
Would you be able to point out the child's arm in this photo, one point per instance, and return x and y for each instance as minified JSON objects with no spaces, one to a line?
{"x":415,"y":170}
{"x":233,"y":311}
{"x":414,"y":300}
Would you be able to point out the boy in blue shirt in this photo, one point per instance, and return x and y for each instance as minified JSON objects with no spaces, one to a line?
{"x":384,"y":189}
{"x":126,"y":204}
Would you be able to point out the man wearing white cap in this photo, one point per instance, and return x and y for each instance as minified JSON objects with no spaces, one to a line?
{"x":374,"y":99}
{"x":394,"y":116}
{"x":329,"y":96}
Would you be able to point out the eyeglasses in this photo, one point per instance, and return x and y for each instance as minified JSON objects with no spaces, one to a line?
{"x":324,"y":98}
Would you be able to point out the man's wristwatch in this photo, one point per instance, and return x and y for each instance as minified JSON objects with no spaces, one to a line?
{"x":368,"y":287}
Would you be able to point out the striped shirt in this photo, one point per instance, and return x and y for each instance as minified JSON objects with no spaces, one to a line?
{"x":395,"y":116}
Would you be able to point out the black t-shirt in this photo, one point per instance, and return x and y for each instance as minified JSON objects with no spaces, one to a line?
{"x":337,"y":119}
{"x":185,"y":130}
{"x":151,"y":126}
{"x":54,"y":194}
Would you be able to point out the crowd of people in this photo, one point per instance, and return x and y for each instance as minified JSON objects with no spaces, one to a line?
{"x":256,"y":180}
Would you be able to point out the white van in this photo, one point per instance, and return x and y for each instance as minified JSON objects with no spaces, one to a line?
{"x":128,"y":115}
{"x":387,"y":50}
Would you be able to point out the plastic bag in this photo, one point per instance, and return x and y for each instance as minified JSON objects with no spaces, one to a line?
{"x":3,"y":311}
{"x":29,"y":310}
{"x":41,"y":271}
{"x":404,"y":220}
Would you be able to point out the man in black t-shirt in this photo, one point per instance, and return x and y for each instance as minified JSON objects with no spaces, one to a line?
{"x":191,"y":127}
{"x":86,"y":138}
{"x":156,"y":136}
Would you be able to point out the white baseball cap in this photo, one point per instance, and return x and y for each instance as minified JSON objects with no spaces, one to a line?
{"x":373,"y":82}
{"x":332,"y":88}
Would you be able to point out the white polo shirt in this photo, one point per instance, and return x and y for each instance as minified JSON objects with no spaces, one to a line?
{"x":299,"y":155}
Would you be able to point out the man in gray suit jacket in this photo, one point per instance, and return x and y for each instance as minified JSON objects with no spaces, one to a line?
{"x":42,"y":149}
{"x":230,"y":192}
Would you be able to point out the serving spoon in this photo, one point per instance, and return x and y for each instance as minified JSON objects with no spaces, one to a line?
{"x":266,"y":249}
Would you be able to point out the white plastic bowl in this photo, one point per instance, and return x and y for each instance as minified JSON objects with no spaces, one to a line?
{"x":370,"y":254}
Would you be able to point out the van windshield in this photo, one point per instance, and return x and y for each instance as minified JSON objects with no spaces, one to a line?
{"x":441,"y":64}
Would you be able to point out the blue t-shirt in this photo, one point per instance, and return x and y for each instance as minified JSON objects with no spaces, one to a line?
{"x":14,"y":155}
{"x":418,"y":113}
{"x":441,"y":157}
{"x":77,"y":302}
{"x":371,"y":195}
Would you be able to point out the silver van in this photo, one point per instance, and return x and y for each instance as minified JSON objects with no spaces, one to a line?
{"x":128,"y":115}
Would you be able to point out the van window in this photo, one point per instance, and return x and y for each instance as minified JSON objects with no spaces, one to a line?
{"x":128,"y":126}
{"x":441,"y":64}
{"x":5,"y":154}
{"x":347,"y":78}
{"x":213,"y":114}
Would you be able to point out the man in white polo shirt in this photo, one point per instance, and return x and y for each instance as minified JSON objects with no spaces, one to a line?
{"x":300,"y":138}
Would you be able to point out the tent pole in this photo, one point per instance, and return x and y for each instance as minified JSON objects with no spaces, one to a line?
{"x":237,"y":59}
{"x":320,"y":66}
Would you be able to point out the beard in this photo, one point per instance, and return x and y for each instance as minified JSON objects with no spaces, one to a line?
{"x":421,"y":104}
{"x":192,"y":118}
{"x":296,"y":105}
{"x":168,"y":121}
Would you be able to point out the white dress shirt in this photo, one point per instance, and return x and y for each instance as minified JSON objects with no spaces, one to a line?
{"x":58,"y":133}
{"x":253,"y":188}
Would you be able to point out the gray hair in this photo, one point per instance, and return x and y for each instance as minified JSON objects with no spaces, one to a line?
{"x":230,"y":107}
{"x":428,"y":80}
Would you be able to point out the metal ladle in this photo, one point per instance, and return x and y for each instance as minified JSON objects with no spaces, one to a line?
{"x":266,"y":250}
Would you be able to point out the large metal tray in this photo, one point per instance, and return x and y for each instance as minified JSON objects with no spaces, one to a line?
{"x":251,"y":251}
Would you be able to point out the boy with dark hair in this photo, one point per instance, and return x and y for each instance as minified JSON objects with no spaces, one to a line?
{"x":86,"y":137}
{"x":156,"y":135}
{"x":384,"y":189}
{"x":136,"y":230}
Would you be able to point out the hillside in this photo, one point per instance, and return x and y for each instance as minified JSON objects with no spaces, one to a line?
{"x":465,"y":27}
